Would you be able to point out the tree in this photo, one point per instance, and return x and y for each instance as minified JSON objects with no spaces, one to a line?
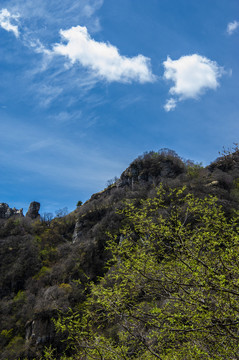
{"x":79,"y":203}
{"x":172,"y":286}
{"x":61,"y":212}
{"x":47,"y":217}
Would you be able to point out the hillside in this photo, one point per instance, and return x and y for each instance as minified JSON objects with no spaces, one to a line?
{"x":49,"y":266}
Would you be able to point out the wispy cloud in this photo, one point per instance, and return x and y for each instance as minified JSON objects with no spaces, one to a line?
{"x":66,"y":117}
{"x":232,"y":27}
{"x":90,"y":7}
{"x":192,"y":75}
{"x":127,"y":101}
{"x":6,"y":19}
{"x":53,"y":15}
{"x":36,"y":45}
{"x":103,"y":59}
{"x":52,"y":81}
{"x":55,"y":158}
{"x":51,"y":74}
{"x":48,"y":94}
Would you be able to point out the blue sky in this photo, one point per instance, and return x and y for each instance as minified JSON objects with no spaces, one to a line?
{"x":88,"y":85}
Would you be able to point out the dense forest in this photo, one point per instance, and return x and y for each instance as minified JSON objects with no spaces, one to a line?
{"x":146,"y":269}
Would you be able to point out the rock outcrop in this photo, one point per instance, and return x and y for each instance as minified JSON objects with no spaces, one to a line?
{"x":77,"y":231}
{"x":6,"y":212}
{"x":40,"y":330}
{"x":33,"y":210}
{"x":150,"y":168}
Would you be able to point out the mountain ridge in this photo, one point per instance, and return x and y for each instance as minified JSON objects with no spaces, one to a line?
{"x":47,"y":264}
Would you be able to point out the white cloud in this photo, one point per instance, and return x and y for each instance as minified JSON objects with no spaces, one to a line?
{"x":103,"y":59}
{"x":232,"y":26}
{"x":55,"y":14}
{"x":192,"y":75}
{"x":90,"y":7}
{"x":170,"y":104}
{"x":38,"y":47}
{"x":5,"y":21}
{"x":48,"y":93}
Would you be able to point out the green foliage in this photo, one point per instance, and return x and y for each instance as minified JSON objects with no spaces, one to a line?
{"x":49,"y":353}
{"x":47,"y":255}
{"x":130,"y":312}
{"x":43,"y":271}
{"x":7,"y":334}
{"x":236,"y":183}
{"x":66,"y":287}
{"x":20,"y":297}
{"x":193,"y":170}
{"x":235,"y":190}
{"x":172,"y":286}
{"x":15,"y":346}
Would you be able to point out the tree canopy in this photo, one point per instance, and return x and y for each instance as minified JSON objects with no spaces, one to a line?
{"x":172,"y":286}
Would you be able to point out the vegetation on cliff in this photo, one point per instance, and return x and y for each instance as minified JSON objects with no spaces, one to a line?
{"x":172,"y":286}
{"x":146,"y":269}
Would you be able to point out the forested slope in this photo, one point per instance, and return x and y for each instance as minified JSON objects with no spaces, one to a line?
{"x":148,"y":267}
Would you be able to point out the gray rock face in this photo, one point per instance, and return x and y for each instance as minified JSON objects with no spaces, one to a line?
{"x":41,"y":330}
{"x":77,"y":231}
{"x":6,"y":212}
{"x":33,"y":210}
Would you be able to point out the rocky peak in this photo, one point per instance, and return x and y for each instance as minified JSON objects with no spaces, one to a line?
{"x":6,"y":212}
{"x":33,"y":210}
{"x":151,"y":166}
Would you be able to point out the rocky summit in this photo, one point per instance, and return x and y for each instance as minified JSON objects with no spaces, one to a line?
{"x":33,"y":211}
{"x":6,"y":212}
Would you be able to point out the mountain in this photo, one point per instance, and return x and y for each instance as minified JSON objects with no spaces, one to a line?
{"x":50,"y":265}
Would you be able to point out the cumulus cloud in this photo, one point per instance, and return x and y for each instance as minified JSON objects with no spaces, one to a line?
{"x":170,"y":104}
{"x":103,"y":59}
{"x":232,"y":26}
{"x":192,"y":75}
{"x":5,"y":21}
